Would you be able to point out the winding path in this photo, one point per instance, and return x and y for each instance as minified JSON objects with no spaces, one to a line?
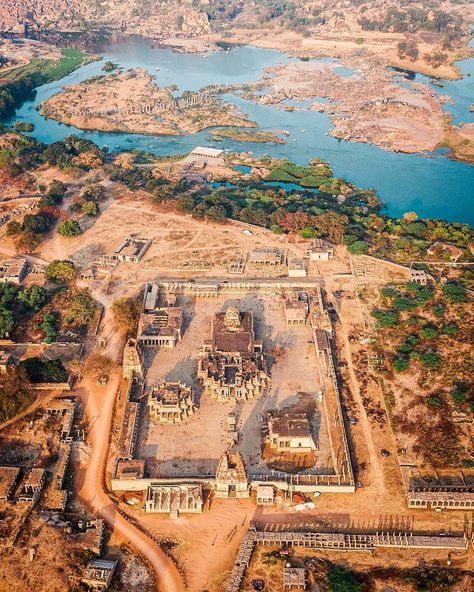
{"x":99,"y":410}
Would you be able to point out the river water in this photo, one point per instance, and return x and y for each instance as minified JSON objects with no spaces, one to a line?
{"x":432,"y":185}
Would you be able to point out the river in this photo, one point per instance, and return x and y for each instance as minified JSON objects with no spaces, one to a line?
{"x":433,"y":185}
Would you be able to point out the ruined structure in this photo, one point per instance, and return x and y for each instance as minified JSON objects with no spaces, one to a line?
{"x":297,"y":268}
{"x":132,"y":364}
{"x":159,"y":326}
{"x":13,"y":270}
{"x":232,"y":365}
{"x":174,"y":499}
{"x":231,"y":476}
{"x":267,"y":257}
{"x":290,"y":432}
{"x":296,"y":308}
{"x":294,"y":578}
{"x":171,"y":402}
{"x":99,"y":574}
{"x":131,"y":250}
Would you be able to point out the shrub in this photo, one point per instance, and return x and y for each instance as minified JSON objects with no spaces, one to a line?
{"x":14,"y":228}
{"x":402,"y":303}
{"x":428,"y":331}
{"x":400,"y":364}
{"x":434,"y":401}
{"x":91,"y":208}
{"x":342,"y":580}
{"x":431,"y":359}
{"x":358,"y":247}
{"x":386,"y":318}
{"x":455,"y":292}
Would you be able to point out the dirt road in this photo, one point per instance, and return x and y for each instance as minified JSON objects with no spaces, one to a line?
{"x":99,"y":410}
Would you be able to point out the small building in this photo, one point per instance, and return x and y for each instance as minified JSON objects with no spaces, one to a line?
{"x":231,"y":477}
{"x":32,"y":485}
{"x":171,"y":402}
{"x":8,"y":481}
{"x":290,"y":432}
{"x":267,"y":257}
{"x":13,"y":270}
{"x":418,"y":276}
{"x":208,"y":153}
{"x":296,"y":309}
{"x":5,"y":361}
{"x":453,"y":252}
{"x":129,"y":431}
{"x":320,"y":250}
{"x":297,"y":268}
{"x":174,"y":499}
{"x":130,"y":469}
{"x":265,"y":495}
{"x":294,"y":578}
{"x":99,"y":574}
{"x":160,"y":328}
{"x":131,"y":250}
{"x":132,"y":364}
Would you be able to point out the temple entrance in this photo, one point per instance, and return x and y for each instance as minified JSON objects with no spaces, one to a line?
{"x":232,"y":491}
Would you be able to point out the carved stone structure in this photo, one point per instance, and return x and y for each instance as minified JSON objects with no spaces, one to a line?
{"x":171,"y":402}
{"x":174,"y":499}
{"x":132,"y":364}
{"x":320,"y":250}
{"x":232,"y":365}
{"x":231,"y":476}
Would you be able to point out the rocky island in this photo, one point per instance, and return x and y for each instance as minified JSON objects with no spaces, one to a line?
{"x":131,"y":102}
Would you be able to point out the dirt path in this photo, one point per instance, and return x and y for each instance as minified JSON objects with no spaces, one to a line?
{"x":99,"y":409}
{"x":377,"y":477}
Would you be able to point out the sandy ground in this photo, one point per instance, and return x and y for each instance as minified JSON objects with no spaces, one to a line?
{"x":191,"y":448}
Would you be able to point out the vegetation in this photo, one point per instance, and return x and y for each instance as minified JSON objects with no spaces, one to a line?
{"x":24,"y":126}
{"x":60,"y":271}
{"x":81,"y":309}
{"x":342,"y":580}
{"x":14,"y":393}
{"x":422,"y":333}
{"x":69,"y":228}
{"x":98,"y":366}
{"x":38,"y":370}
{"x":126,"y":312}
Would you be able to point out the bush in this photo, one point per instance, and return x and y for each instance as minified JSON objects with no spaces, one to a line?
{"x":400,"y":364}
{"x":402,"y":303}
{"x":69,"y":228}
{"x":7,"y":322}
{"x":434,"y":401}
{"x":386,"y":318}
{"x":358,"y":247}
{"x":431,"y":359}
{"x":428,"y":331}
{"x":91,"y":208}
{"x":60,"y":270}
{"x":455,"y":292}
{"x":342,"y":580}
{"x":14,"y":228}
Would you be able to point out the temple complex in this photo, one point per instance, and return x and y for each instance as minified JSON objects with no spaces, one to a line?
{"x":171,"y":402}
{"x":232,"y":365}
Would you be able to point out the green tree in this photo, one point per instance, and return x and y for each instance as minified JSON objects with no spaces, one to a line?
{"x":7,"y":322}
{"x":37,"y":223}
{"x":69,"y":228}
{"x":33,"y":297}
{"x":28,"y":242}
{"x":429,"y":331}
{"x":386,"y":318}
{"x":60,"y":270}
{"x":400,"y":364}
{"x":216,"y":213}
{"x":50,"y":326}
{"x":81,"y":309}
{"x":94,"y":192}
